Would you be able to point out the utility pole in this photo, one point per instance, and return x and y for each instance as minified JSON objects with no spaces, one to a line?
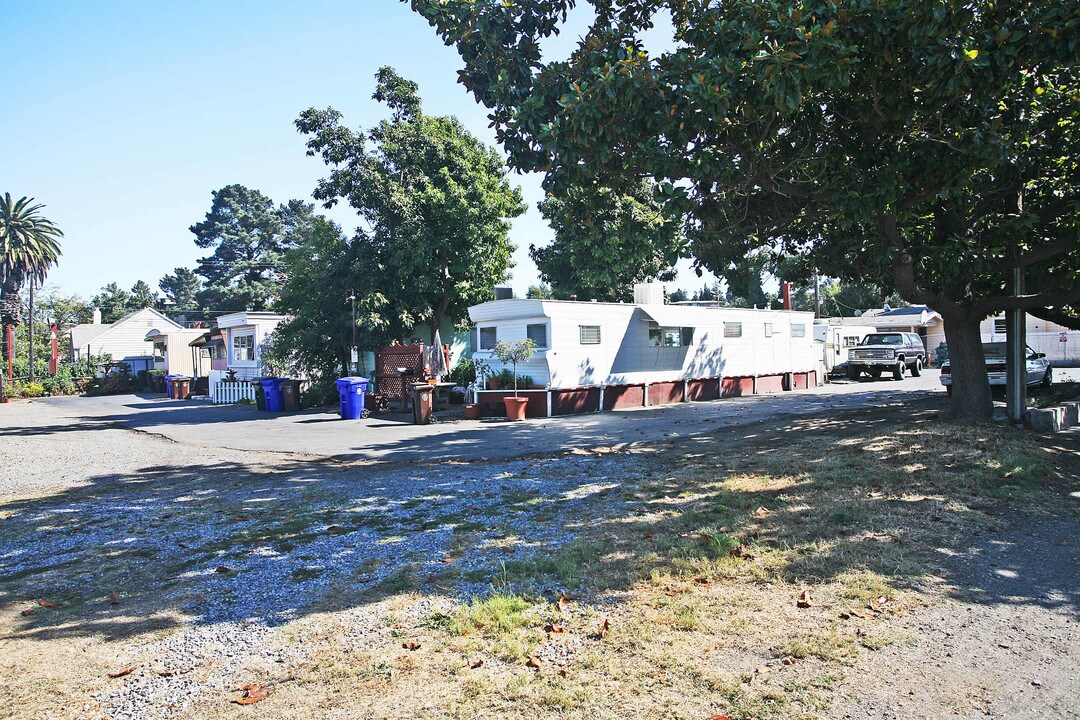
{"x":1016,"y":350}
{"x":31,"y":328}
{"x":353,"y":350}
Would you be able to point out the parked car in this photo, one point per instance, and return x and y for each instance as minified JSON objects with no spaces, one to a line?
{"x":1039,"y":369}
{"x":896,"y":352}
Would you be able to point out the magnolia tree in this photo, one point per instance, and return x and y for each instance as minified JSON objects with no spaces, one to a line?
{"x":925,"y":146}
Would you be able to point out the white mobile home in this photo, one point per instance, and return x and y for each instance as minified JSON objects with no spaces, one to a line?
{"x":125,"y":337}
{"x":836,"y":341}
{"x":604,"y":355}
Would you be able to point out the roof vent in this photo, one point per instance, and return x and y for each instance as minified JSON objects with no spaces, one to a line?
{"x":650,"y":293}
{"x":504,"y":293}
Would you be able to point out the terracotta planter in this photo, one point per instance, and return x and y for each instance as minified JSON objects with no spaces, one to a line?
{"x":472,"y":411}
{"x":515,"y":407}
{"x":493,"y":384}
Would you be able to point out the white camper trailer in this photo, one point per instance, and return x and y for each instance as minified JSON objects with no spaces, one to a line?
{"x":593,"y":356}
{"x":837,"y":340}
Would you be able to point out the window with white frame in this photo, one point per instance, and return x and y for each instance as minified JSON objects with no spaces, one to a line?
{"x":589,"y":334}
{"x":798,"y":330}
{"x":768,"y":330}
{"x":537,"y":333}
{"x":488,"y":338}
{"x":243,"y":348}
{"x":733,"y":329}
{"x":851,"y":340}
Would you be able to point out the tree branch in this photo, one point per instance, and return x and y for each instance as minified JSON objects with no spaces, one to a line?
{"x":1061,"y":317}
{"x":1027,"y":302}
{"x":1062,"y":247}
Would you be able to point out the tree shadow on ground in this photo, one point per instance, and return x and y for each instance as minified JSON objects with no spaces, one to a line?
{"x":875,"y":501}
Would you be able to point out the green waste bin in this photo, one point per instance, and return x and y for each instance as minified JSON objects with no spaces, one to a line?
{"x":260,"y":395}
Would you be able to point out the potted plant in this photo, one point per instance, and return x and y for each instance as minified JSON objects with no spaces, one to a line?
{"x":514,"y":353}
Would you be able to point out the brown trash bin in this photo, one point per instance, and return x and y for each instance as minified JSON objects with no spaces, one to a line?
{"x":290,"y":395}
{"x":182,"y":386}
{"x":423,"y":397}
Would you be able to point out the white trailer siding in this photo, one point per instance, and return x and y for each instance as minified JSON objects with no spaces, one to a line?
{"x":126,"y":336}
{"x":708,"y":342}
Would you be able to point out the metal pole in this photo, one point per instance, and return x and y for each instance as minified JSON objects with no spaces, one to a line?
{"x":353,"y":348}
{"x":31,"y":328}
{"x":817,"y":298}
{"x":1016,"y":347}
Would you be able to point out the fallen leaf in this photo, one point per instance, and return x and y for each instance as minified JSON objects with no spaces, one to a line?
{"x":251,"y":694}
{"x":860,"y":632}
{"x":166,"y":673}
{"x":762,"y":512}
{"x":603,"y":630}
{"x":648,"y":536}
{"x":223,"y":569}
{"x":845,"y":615}
{"x":562,"y":672}
{"x":122,"y":673}
{"x":789,"y":661}
{"x":562,"y":604}
{"x":27,"y":611}
{"x":706,"y":537}
{"x":333,"y":529}
{"x":45,"y":603}
{"x":882,"y":600}
{"x":541,"y":518}
{"x":720,"y":717}
{"x":411,"y":645}
{"x":806,"y":599}
{"x":449,"y":560}
{"x":533,"y":662}
{"x":550,"y":628}
{"x":701,"y":581}
{"x":114,"y":599}
{"x":476,"y":663}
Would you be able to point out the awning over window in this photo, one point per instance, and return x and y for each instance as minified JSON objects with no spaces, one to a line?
{"x":667,"y":316}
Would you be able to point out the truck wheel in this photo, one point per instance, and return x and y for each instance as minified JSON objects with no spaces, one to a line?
{"x":852,"y":372}
{"x":898,"y":370}
{"x":916,"y":369}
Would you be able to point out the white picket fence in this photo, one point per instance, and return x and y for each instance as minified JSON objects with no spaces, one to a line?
{"x":233,"y":392}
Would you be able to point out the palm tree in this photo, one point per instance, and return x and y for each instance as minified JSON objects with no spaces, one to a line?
{"x":28,"y":248}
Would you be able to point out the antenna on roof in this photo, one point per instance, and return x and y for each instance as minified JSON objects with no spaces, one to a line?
{"x":886,"y":307}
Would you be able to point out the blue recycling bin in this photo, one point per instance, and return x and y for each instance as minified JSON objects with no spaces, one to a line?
{"x":351,"y":396}
{"x":275,"y":401}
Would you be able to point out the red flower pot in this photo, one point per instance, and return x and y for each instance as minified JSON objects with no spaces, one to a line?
{"x":472,"y":411}
{"x":515,"y":407}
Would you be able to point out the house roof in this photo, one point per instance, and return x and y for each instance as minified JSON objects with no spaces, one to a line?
{"x":88,"y":333}
{"x":918,"y":310}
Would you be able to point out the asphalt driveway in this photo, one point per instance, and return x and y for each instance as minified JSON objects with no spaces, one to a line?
{"x":393,"y":437}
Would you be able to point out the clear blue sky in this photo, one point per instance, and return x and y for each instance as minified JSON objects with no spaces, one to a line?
{"x":122,"y":117}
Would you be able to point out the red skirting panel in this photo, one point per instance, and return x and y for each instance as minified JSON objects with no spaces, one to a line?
{"x":491,"y":403}
{"x":768,"y":384}
{"x":665,"y":393}
{"x":737,"y":386}
{"x":703,"y":389}
{"x":568,"y":402}
{"x":618,"y":397}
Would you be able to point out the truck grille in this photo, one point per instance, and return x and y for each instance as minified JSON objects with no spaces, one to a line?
{"x":872,"y":354}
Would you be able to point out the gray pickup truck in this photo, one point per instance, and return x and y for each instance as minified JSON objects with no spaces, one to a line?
{"x":895,"y":352}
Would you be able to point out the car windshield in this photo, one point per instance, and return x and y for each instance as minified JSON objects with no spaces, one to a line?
{"x":883,"y":339}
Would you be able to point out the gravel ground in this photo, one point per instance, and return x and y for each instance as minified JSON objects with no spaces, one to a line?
{"x":223,"y":547}
{"x":225,"y":562}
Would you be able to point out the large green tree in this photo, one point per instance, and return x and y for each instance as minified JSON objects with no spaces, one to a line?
{"x":249,"y":236}
{"x":435,"y":205}
{"x":607,"y":239}
{"x":181,"y":287}
{"x":29,"y":247}
{"x":926,"y":145}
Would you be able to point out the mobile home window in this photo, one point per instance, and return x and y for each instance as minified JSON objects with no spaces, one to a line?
{"x":487,"y":338}
{"x":851,"y":340}
{"x":589,"y":334}
{"x":538,"y":334}
{"x":999,"y":326}
{"x":671,"y":336}
{"x":798,"y":330}
{"x":733,"y":329}
{"x":243,"y":348}
{"x":768,"y":329}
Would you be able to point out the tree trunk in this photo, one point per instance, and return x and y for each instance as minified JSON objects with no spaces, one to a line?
{"x":971,"y":400}
{"x":32,"y":328}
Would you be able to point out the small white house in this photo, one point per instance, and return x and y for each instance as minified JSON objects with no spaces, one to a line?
{"x":123,"y":338}
{"x":243,"y":335}
{"x":174,"y":347}
{"x":603,"y":355}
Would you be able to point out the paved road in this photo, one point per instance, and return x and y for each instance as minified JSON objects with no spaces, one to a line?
{"x":317,"y":433}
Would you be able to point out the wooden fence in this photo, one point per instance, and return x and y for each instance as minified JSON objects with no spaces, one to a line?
{"x":233,"y":392}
